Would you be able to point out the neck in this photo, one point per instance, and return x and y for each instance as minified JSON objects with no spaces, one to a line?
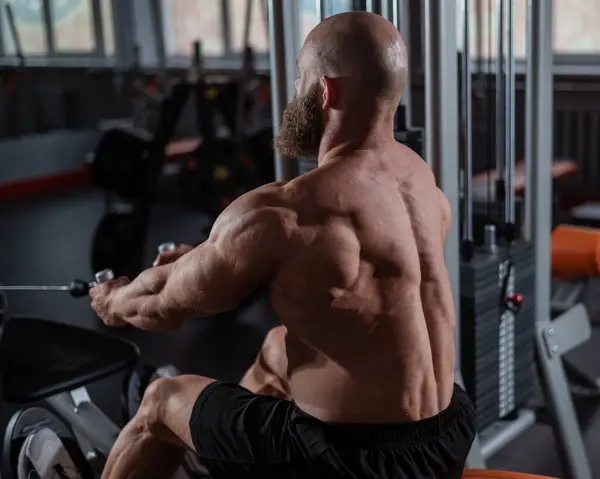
{"x":346,"y":133}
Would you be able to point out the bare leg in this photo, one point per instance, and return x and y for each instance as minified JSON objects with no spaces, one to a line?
{"x":268,"y":374}
{"x":155,"y":440}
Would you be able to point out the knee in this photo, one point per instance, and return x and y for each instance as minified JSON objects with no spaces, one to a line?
{"x":157,"y":397}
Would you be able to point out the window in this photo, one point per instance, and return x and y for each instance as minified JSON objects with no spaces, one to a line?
{"x":575,"y":28}
{"x":29,"y":21}
{"x":487,"y":10}
{"x":73,"y":25}
{"x":259,"y":25}
{"x":58,"y":28}
{"x":308,"y":13}
{"x":187,"y":21}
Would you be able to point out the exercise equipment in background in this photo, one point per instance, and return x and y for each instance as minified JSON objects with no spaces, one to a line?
{"x":216,"y":173}
{"x":497,"y":274}
{"x":57,"y":374}
{"x":225,"y":167}
{"x":120,"y":236}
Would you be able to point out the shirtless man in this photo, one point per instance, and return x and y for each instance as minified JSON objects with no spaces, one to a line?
{"x":353,"y":255}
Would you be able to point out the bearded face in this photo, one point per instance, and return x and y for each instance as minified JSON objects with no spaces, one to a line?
{"x":302,"y":126}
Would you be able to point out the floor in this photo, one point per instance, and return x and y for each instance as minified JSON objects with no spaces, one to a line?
{"x":46,"y":241}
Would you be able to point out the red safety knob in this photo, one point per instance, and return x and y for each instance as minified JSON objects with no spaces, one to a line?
{"x":517,"y":299}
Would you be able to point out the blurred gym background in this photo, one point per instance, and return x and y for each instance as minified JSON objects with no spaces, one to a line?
{"x":86,"y":79}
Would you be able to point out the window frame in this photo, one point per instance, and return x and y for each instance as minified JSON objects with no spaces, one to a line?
{"x":230,"y":60}
{"x":54,"y":58}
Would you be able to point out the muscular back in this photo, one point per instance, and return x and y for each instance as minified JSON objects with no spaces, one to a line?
{"x":364,"y":290}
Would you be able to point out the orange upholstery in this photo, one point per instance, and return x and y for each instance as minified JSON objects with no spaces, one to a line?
{"x":477,"y":474}
{"x":575,"y":252}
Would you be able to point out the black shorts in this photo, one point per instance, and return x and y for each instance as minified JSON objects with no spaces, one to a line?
{"x":238,"y":435}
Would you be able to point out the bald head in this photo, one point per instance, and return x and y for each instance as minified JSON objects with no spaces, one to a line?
{"x":353,"y":68}
{"x":364,"y":50}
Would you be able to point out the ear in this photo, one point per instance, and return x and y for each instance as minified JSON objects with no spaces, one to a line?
{"x":329,"y":98}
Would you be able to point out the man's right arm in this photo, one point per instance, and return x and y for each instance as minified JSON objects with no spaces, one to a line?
{"x":173,"y":255}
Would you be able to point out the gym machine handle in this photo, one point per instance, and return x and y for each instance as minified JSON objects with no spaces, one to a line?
{"x":166,"y":247}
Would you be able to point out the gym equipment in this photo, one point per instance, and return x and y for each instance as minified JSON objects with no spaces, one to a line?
{"x":29,"y":421}
{"x":120,"y":159}
{"x":77,"y":288}
{"x":120,"y":236}
{"x":487,"y":474}
{"x":554,"y":337}
{"x":575,"y":259}
{"x":215,"y":176}
{"x":163,"y":248}
{"x":495,"y":277}
{"x":221,"y":168}
{"x":66,"y":359}
{"x":118,"y":242}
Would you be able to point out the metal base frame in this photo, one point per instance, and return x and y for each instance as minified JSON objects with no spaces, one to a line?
{"x":554,"y":339}
{"x":95,"y":432}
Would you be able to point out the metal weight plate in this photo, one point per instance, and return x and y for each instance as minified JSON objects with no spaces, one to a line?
{"x":28,"y":421}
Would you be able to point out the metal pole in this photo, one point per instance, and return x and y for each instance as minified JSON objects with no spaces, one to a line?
{"x":566,"y":428}
{"x":16,"y":38}
{"x":395,"y":19}
{"x":441,"y":113}
{"x":247,"y":23}
{"x":321,"y":11}
{"x":387,"y":9}
{"x":500,"y":91}
{"x":529,"y":119}
{"x":467,"y":232}
{"x":404,"y":27}
{"x":159,"y":42}
{"x":509,"y":121}
{"x":278,"y":77}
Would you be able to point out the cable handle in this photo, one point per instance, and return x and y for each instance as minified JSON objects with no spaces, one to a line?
{"x":104,"y":276}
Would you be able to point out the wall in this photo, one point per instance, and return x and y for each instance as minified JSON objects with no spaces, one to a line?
{"x":45,"y":154}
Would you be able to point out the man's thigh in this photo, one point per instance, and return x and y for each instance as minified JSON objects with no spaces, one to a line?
{"x":234,"y":432}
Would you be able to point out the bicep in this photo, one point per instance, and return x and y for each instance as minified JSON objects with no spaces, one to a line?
{"x":220,"y":273}
{"x":208,"y":281}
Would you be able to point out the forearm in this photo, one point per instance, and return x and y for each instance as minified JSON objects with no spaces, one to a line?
{"x":141,"y":303}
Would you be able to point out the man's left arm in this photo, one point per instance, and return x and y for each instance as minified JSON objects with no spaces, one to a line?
{"x":243,"y":252}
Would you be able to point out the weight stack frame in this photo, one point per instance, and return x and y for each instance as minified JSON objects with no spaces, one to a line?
{"x":497,"y":345}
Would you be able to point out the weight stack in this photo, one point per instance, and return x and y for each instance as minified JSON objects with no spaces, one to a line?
{"x":497,"y":344}
{"x":485,"y":213}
